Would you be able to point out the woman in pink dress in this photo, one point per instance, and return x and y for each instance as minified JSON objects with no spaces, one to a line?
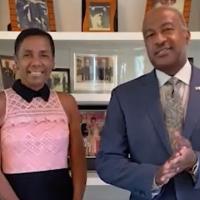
{"x":40,"y":129}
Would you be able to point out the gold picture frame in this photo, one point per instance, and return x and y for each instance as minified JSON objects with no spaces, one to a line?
{"x":27,"y":14}
{"x":182,"y":5}
{"x":100,"y":16}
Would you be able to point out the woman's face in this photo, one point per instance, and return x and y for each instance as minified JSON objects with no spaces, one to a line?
{"x":34,"y":61}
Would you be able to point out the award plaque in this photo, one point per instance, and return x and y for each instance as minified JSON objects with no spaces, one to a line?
{"x":99,"y":15}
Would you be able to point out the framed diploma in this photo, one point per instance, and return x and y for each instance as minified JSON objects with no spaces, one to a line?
{"x":99,"y":15}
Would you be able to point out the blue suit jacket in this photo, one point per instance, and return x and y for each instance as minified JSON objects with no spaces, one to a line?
{"x":135,"y":141}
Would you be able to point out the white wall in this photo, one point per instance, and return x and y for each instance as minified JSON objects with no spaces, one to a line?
{"x":130,"y":15}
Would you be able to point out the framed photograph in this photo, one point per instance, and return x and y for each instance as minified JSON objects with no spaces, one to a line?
{"x":99,"y":15}
{"x":32,"y":13}
{"x":94,"y":73}
{"x":92,"y":121}
{"x":8,"y":70}
{"x":60,"y":80}
{"x":182,"y":5}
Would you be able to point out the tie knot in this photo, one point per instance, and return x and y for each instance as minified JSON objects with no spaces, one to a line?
{"x":173,"y":81}
{"x":172,"y":86}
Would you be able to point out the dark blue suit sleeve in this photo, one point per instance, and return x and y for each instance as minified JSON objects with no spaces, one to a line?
{"x":113,"y":163}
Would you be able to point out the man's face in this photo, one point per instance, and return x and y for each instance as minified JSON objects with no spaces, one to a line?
{"x":166,"y":40}
{"x":34,"y":61}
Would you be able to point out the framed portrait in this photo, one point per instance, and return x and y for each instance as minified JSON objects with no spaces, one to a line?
{"x":94,"y":73}
{"x":182,"y":5}
{"x":99,"y":15}
{"x":60,"y":80}
{"x":8,"y":70}
{"x":32,"y":13}
{"x":92,"y":121}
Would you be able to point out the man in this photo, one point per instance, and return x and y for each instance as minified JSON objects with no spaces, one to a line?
{"x":139,"y":151}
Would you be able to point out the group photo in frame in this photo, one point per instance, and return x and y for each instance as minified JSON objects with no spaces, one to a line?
{"x":8,"y":70}
{"x":182,"y":5}
{"x":60,"y":80}
{"x":99,"y":15}
{"x":92,"y":121}
{"x":32,"y":14}
{"x":94,"y":73}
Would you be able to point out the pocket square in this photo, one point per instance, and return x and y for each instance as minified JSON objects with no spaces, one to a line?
{"x":197,"y":88}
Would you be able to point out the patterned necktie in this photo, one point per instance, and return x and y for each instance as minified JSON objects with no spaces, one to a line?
{"x":174,"y":112}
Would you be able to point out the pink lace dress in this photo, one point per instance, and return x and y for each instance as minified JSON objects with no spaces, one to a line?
{"x":34,"y":147}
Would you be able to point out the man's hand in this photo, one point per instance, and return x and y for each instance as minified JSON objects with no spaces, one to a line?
{"x":168,"y":170}
{"x":183,"y":158}
{"x":188,"y":157}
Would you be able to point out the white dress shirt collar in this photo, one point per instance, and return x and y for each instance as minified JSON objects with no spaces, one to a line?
{"x":184,"y":74}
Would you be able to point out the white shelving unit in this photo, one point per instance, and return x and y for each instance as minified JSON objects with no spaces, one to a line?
{"x":125,"y":44}
{"x":93,"y":179}
{"x":90,"y":36}
{"x":82,"y":36}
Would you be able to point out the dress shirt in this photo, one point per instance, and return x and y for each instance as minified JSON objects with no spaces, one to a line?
{"x":184,"y":75}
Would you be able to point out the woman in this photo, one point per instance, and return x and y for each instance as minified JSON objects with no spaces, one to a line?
{"x":39,"y":129}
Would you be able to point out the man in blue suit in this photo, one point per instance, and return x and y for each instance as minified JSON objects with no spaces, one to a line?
{"x":136,"y":153}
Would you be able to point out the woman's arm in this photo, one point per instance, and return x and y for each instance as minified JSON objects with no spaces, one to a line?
{"x":76,"y":147}
{"x":6,"y":191}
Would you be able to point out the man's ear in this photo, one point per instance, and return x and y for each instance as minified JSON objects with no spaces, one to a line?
{"x":187,"y":36}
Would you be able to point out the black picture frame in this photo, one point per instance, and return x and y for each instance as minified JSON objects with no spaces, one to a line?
{"x":8,"y":70}
{"x":60,"y":80}
{"x":92,"y":121}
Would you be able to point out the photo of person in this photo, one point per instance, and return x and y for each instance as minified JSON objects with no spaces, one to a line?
{"x":59,"y":80}
{"x":104,"y":69}
{"x":91,"y":126}
{"x":32,"y":14}
{"x":84,"y":68}
{"x":8,"y":69}
{"x":99,"y":17}
{"x":94,"y":73}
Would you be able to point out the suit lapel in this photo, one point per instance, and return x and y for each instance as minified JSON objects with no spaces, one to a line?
{"x":193,"y":110}
{"x":154,"y":109}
